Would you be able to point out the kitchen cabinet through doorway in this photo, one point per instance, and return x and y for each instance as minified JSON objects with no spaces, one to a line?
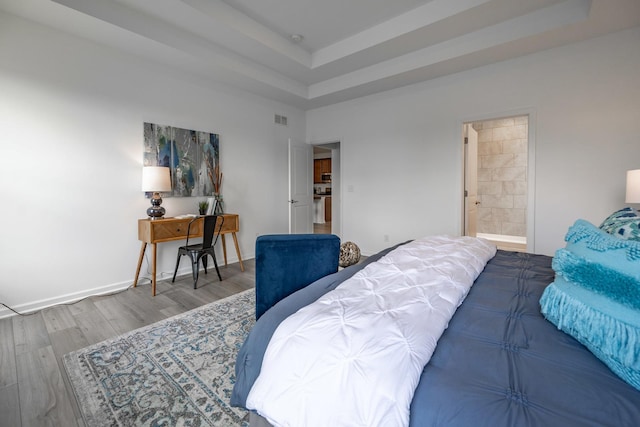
{"x":320,"y":166}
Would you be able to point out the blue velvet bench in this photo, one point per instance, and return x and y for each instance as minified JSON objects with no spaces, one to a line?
{"x":286,"y":263}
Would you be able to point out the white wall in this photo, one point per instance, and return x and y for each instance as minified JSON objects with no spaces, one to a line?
{"x":71,"y":132}
{"x":402,"y":155}
{"x":71,"y":115}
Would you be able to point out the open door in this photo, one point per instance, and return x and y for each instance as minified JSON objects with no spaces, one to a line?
{"x":470,"y":180}
{"x":300,"y":188}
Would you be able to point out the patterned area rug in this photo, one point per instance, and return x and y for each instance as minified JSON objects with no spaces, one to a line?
{"x":177,"y":372}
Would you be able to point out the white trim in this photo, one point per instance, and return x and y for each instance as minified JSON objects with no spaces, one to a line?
{"x":531,"y":182}
{"x":62,"y":299}
{"x":337,"y":186}
{"x":530,"y":112}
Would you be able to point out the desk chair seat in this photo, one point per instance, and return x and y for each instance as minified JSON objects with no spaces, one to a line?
{"x":212,"y":227}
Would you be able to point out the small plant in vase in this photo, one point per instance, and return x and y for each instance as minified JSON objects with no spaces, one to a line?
{"x":202,"y":207}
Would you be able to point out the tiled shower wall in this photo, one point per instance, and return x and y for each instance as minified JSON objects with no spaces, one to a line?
{"x":502,"y":176}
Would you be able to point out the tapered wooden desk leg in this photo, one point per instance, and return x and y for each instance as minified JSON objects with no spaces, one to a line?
{"x":235,"y":241}
{"x":140,"y":258}
{"x":153,"y":268}
{"x":224,"y":249}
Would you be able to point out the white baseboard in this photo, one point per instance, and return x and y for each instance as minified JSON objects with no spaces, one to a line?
{"x":30,"y":307}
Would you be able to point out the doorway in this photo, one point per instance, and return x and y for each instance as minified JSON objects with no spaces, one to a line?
{"x":496,"y":180}
{"x":326,"y":188}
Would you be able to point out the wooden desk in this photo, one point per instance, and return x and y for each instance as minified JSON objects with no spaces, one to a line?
{"x":167,"y":229}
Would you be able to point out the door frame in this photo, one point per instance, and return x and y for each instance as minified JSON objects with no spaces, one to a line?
{"x":335,"y":144}
{"x":531,"y":165}
{"x":470,"y":214}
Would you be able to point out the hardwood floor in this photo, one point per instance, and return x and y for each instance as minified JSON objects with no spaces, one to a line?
{"x":322,"y":228}
{"x":34,"y":389}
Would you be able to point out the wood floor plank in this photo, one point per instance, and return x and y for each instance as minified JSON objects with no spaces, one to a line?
{"x":226,"y":289}
{"x":144,"y":298}
{"x":10,"y":406}
{"x":44,"y":400}
{"x":174,"y":310}
{"x":58,"y":318}
{"x":188,"y":300}
{"x":119,"y":318}
{"x":181,"y":283}
{"x":8,"y":374}
{"x":236,"y":284}
{"x":144,"y":307}
{"x":29,"y":333}
{"x":94,"y":326}
{"x":82,"y":306}
{"x":180,"y":294}
{"x":65,"y":341}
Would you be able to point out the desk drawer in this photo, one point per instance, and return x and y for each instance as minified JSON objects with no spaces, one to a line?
{"x":166,"y":229}
{"x":230,"y":224}
{"x":169,"y":229}
{"x":175,"y":230}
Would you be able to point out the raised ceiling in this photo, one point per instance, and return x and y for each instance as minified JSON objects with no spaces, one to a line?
{"x":349,"y":48}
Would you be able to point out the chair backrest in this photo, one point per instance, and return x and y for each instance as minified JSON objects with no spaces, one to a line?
{"x":212,"y":227}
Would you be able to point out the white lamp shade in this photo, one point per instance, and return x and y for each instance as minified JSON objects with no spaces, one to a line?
{"x":156,"y":179}
{"x":633,"y":186}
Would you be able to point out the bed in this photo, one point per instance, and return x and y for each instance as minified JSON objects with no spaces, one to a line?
{"x":499,"y":362}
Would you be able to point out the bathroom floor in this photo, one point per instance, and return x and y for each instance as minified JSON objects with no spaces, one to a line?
{"x":509,"y":246}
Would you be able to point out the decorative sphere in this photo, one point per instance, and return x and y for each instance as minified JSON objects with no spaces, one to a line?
{"x":349,"y":254}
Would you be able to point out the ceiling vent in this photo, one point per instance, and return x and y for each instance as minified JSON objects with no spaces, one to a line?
{"x":281,"y":120}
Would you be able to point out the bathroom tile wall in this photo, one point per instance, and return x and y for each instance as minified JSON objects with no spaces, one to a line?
{"x":502,"y":176}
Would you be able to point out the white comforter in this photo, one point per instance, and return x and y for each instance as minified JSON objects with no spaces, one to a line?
{"x":355,"y":356}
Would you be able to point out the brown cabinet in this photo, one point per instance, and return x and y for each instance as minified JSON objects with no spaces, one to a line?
{"x":320,"y":166}
{"x":327,"y":209}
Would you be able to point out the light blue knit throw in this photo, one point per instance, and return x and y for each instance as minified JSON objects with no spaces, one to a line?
{"x":611,"y":338}
{"x":596,"y":297}
{"x":598,"y":277}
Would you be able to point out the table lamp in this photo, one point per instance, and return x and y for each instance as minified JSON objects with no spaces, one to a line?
{"x":633,"y":186}
{"x":156,"y":179}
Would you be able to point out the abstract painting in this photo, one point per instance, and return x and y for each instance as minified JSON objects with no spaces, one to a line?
{"x":193,"y":157}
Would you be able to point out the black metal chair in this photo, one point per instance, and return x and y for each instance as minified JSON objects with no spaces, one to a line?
{"x":212,"y":227}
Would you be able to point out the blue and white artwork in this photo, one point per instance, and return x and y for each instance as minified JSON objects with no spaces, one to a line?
{"x":193,"y":156}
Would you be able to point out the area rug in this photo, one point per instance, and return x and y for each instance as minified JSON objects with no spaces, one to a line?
{"x":177,"y":372}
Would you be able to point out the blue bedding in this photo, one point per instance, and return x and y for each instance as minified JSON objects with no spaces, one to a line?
{"x":500,"y":363}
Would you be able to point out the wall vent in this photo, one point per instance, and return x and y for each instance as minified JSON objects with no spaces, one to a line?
{"x":281,"y":120}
